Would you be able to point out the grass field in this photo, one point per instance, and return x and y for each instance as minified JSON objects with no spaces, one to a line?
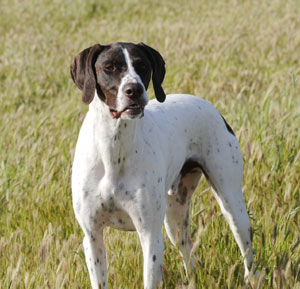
{"x":242,"y":56}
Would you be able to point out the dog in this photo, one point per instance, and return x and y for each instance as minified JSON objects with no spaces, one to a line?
{"x":137,"y":162}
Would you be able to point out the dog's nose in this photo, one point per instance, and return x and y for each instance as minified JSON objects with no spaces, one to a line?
{"x":133,"y":90}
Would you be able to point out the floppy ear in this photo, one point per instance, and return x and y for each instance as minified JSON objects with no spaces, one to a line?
{"x":83,"y":71}
{"x":158,"y":70}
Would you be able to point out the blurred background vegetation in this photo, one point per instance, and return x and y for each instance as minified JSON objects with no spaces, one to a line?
{"x":242,"y":56}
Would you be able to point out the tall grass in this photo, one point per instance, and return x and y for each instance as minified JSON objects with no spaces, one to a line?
{"x":242,"y":56}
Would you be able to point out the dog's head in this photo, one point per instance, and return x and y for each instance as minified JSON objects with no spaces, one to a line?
{"x":120,"y":73}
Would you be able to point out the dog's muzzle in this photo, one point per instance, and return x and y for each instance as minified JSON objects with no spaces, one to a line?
{"x":133,"y":110}
{"x":134,"y":92}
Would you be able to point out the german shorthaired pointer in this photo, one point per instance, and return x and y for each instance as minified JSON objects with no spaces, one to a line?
{"x":137,"y":163}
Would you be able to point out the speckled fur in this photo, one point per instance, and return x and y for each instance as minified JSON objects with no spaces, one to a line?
{"x":127,"y":174}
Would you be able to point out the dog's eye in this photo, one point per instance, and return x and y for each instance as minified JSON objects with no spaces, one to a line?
{"x":109,"y":68}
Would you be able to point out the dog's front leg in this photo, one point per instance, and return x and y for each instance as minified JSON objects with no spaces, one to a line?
{"x":95,"y":256}
{"x":148,"y":218}
{"x":153,"y":251}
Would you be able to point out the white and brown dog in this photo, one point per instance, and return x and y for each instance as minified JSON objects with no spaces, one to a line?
{"x":137,"y":163}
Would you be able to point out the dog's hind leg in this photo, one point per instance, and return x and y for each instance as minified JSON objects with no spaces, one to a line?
{"x":233,"y":208}
{"x":224,"y":172}
{"x":95,"y":256}
{"x":177,"y":213}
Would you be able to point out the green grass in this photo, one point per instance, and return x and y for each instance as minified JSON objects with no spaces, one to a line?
{"x":242,"y":56}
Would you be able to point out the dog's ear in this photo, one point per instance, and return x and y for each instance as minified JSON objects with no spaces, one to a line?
{"x":158,"y":70}
{"x":83,"y":71}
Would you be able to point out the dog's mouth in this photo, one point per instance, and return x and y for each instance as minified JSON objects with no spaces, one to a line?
{"x":132,"y":110}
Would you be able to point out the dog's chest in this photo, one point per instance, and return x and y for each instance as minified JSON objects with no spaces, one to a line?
{"x":104,"y":210}
{"x":121,"y":187}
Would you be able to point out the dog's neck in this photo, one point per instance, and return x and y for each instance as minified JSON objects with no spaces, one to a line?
{"x":116,"y":139}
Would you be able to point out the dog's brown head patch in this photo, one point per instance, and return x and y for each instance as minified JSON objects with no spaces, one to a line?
{"x":102,"y":68}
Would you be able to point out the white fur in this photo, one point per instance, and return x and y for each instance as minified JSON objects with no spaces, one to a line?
{"x":123,"y":170}
{"x":130,"y":77}
{"x":127,"y":174}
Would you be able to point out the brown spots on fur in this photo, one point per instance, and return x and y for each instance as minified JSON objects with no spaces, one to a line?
{"x":86,"y":194}
{"x":189,"y":167}
{"x":190,"y":174}
{"x":186,"y":221}
{"x":182,"y":192}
